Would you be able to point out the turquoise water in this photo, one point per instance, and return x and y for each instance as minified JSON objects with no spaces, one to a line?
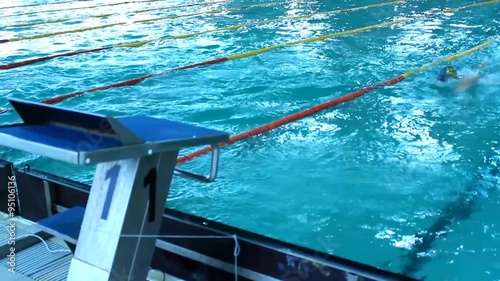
{"x":365,"y":180}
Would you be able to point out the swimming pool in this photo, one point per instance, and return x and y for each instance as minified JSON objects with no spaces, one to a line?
{"x":404,"y":178}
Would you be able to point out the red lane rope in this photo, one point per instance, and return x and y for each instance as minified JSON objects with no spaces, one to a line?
{"x":293,"y":117}
{"x":342,"y":99}
{"x":31,"y":61}
{"x":131,"y":45}
{"x":130,"y":82}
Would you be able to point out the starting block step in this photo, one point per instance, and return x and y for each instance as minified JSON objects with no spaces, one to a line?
{"x":65,"y":225}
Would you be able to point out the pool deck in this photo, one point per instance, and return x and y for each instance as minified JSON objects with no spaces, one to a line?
{"x":43,"y":265}
{"x":9,"y":276}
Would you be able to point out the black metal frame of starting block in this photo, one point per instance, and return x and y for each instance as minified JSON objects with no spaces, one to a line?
{"x":135,"y":157}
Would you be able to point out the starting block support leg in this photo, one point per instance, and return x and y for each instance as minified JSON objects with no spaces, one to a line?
{"x":125,"y":200}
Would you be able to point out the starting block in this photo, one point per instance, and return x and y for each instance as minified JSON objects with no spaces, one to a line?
{"x":135,"y":158}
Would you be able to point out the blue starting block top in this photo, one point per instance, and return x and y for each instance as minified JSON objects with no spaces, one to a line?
{"x":85,"y":139}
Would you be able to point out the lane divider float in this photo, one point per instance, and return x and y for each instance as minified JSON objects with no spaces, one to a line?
{"x":326,"y":105}
{"x":137,"y":80}
{"x":234,"y":27}
{"x":107,"y":15}
{"x":137,"y":21}
{"x":82,"y":8}
{"x":41,"y":4}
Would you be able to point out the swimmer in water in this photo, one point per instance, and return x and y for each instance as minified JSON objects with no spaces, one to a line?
{"x":448,"y":72}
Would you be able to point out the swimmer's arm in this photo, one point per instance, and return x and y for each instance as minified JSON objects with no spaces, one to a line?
{"x":465,"y":83}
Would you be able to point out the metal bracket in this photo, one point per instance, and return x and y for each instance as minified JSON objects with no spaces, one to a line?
{"x":48,"y":198}
{"x":214,"y":167}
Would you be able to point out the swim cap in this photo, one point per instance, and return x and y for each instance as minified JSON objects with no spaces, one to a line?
{"x":447,"y":72}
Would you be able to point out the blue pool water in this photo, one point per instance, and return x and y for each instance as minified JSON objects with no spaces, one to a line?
{"x":405,"y":178}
